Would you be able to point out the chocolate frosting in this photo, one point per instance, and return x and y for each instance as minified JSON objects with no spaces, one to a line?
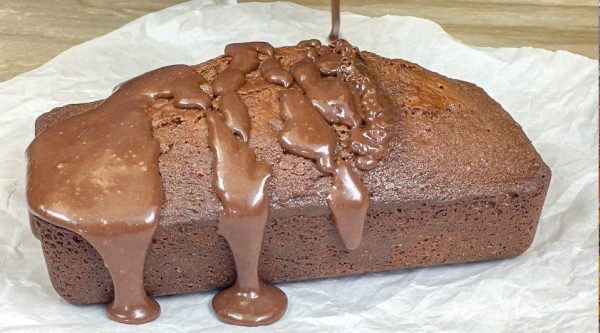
{"x":96,"y":174}
{"x":272,"y":72}
{"x":305,"y":132}
{"x":349,"y":201}
{"x":235,"y":115}
{"x":332,"y":97}
{"x":240,"y":183}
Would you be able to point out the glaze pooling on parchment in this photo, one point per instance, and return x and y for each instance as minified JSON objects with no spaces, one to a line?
{"x":240,"y":183}
{"x":96,"y":174}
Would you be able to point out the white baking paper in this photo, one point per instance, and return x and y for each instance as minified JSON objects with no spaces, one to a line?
{"x":553,"y":95}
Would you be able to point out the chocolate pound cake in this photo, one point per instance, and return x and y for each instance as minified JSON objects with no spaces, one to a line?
{"x":352,"y":162}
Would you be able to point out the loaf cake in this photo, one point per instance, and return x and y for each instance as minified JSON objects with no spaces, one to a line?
{"x":456,"y":180}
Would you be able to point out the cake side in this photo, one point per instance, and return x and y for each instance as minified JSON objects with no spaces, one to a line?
{"x":461,"y":183}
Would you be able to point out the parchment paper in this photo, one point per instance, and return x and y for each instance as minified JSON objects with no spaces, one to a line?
{"x":553,"y":95}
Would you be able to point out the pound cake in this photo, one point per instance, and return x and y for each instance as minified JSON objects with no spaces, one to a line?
{"x":348,"y":161}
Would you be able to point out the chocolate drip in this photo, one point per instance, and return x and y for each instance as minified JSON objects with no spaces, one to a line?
{"x":371,"y":141}
{"x":235,"y":115}
{"x":345,"y":96}
{"x":272,"y":72}
{"x":335,"y":20}
{"x":240,"y":183}
{"x":342,"y":62}
{"x":306,"y":134}
{"x":229,"y":80}
{"x":332,"y":97}
{"x":349,"y":201}
{"x":97,"y":175}
{"x":309,"y":43}
{"x":244,"y":59}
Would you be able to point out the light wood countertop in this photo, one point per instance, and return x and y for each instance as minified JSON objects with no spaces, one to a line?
{"x":32,"y":32}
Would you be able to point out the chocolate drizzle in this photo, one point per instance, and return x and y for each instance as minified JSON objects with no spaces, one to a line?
{"x":337,"y":85}
{"x":306,"y":134}
{"x":366,"y":113}
{"x":97,"y":175}
{"x":272,"y":72}
{"x":335,"y":20}
{"x":349,"y":201}
{"x":371,"y":140}
{"x":332,"y":97}
{"x":235,"y":115}
{"x":240,"y":183}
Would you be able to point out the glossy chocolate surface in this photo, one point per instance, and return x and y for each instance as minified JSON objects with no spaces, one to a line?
{"x":240,"y":183}
{"x":459,"y":183}
{"x":96,"y":174}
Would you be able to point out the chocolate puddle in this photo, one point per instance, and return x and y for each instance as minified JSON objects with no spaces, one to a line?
{"x":240,"y":183}
{"x":96,"y":174}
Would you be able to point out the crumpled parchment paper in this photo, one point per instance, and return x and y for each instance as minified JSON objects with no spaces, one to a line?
{"x":553,"y":95}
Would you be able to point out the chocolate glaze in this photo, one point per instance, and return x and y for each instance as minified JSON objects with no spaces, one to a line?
{"x":337,"y":84}
{"x":235,"y":115}
{"x":305,"y":133}
{"x":240,"y":183}
{"x":272,"y":72}
{"x":370,"y":138}
{"x":96,"y":174}
{"x":349,"y":201}
{"x":93,"y":182}
{"x":332,"y":97}
{"x":244,"y":59}
{"x":335,"y":20}
{"x":231,"y":79}
{"x":107,"y":188}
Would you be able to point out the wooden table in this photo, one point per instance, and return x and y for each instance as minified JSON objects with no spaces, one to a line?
{"x":33,"y":31}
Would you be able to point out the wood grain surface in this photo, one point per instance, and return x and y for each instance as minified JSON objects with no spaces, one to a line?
{"x":32,"y":31}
